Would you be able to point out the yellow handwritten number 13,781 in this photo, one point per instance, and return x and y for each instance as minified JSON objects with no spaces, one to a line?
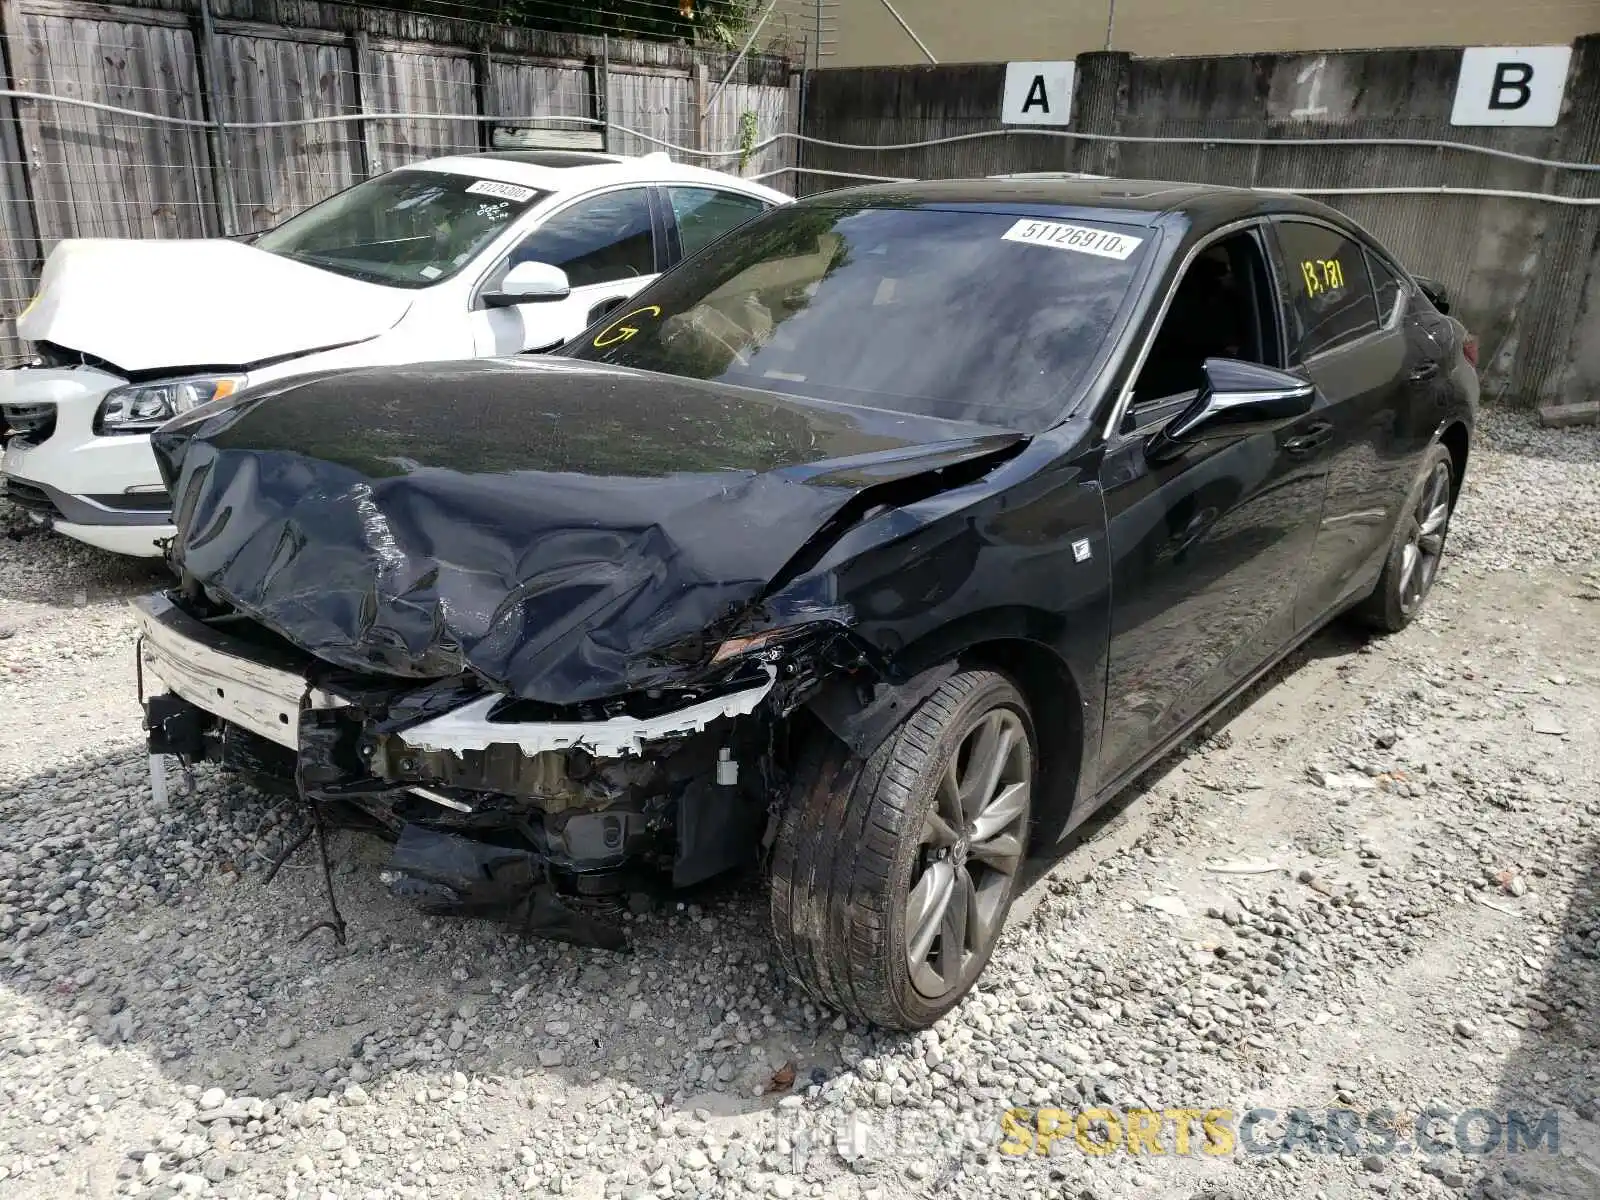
{"x":1322,"y":275}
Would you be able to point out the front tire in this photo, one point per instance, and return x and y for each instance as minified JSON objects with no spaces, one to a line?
{"x":1416,"y":549}
{"x":891,"y":879}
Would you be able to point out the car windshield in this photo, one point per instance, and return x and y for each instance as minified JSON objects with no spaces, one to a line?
{"x":955,"y":314}
{"x":407,"y":229}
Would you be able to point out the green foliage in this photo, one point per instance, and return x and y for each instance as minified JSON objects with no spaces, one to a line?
{"x":726,"y":22}
{"x":749,"y":127}
{"x":704,"y":22}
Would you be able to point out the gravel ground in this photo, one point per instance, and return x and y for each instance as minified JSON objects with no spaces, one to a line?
{"x":1375,"y":885}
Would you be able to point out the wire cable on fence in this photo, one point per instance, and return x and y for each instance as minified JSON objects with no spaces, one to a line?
{"x":775,"y":139}
{"x":1439,"y":190}
{"x":1164,"y":140}
{"x":765,"y":143}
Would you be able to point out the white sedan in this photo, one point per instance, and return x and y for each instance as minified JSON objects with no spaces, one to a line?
{"x":475,"y":255}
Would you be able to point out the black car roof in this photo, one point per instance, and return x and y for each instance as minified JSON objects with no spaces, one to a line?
{"x":1143,"y":201}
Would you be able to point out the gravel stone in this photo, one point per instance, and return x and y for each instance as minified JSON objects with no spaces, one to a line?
{"x":163,"y":1030}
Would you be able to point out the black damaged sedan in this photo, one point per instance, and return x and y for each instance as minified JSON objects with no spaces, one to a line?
{"x":875,"y":546}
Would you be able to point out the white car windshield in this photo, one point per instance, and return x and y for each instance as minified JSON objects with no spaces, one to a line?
{"x":408,"y":229}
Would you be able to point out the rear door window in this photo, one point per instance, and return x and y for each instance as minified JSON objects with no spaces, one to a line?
{"x":1386,"y":285}
{"x":705,"y":214}
{"x":1326,"y":291}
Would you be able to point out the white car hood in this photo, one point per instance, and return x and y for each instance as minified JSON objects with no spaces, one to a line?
{"x":158,"y":304}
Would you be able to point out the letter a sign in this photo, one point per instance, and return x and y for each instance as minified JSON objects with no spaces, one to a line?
{"x":1512,"y":85}
{"x":1037,"y":93}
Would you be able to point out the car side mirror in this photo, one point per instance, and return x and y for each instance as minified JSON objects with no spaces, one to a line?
{"x":1434,"y":291}
{"x":529,"y":283}
{"x":1237,"y":399}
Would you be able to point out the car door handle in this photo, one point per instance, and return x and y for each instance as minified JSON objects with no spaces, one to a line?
{"x":1314,"y":438}
{"x":1425,"y":372}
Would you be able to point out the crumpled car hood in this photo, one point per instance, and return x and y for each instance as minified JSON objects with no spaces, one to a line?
{"x":547,"y":525}
{"x":160,"y":304}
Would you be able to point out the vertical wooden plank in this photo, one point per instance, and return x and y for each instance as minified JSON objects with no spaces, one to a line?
{"x":484,"y":96}
{"x":600,"y":89}
{"x":366,"y":76}
{"x":787,"y":152}
{"x":21,"y":254}
{"x":216,"y":139}
{"x":698,"y":96}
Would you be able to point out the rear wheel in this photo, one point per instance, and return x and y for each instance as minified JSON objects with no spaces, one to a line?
{"x":1416,"y":549}
{"x":892,"y":878}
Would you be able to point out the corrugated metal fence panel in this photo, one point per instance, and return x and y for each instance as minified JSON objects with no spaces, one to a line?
{"x":522,"y":89}
{"x":879,"y":107}
{"x":725,"y":128}
{"x":406,"y":80}
{"x":278,"y":172}
{"x":661,"y":106}
{"x":1559,"y":352}
{"x":1477,"y":247}
{"x":98,"y":174}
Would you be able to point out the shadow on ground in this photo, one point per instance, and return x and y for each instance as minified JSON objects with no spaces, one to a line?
{"x":1552,"y":1078}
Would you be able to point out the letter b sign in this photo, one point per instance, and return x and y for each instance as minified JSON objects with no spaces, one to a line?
{"x":1514,"y":85}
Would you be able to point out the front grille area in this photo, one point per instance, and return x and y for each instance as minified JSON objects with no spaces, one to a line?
{"x":33,"y":499}
{"x":36,"y":422}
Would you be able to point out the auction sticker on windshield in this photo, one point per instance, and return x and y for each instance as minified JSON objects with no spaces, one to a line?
{"x":506,"y":191}
{"x":1072,"y":237}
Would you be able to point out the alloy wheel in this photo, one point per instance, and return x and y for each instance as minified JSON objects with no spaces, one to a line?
{"x":967,"y":858}
{"x":1425,"y":544}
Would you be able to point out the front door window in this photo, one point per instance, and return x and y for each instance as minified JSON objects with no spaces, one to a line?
{"x":605,"y":244}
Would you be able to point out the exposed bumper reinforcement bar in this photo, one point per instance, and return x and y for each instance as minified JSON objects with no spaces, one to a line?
{"x":207,"y":669}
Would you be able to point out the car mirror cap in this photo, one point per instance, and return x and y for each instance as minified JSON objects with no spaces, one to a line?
{"x":1237,"y":399}
{"x":529,"y":283}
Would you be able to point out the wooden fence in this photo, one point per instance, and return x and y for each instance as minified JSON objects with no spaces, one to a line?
{"x":236,"y":116}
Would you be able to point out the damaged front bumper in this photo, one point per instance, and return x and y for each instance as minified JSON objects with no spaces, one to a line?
{"x":495,"y":805}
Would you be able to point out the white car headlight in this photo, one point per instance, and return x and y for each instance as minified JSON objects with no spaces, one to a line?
{"x":141,"y":407}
